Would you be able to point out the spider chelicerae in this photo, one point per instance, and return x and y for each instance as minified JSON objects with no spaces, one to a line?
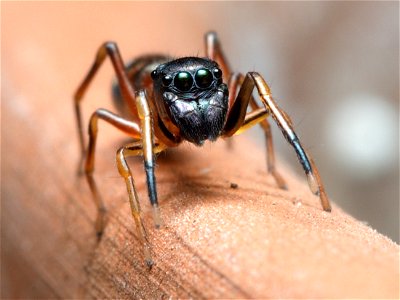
{"x":169,"y":101}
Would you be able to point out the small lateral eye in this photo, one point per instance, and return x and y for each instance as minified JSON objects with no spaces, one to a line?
{"x":203,"y":78}
{"x":217,"y":73}
{"x":166,"y":80}
{"x":183,"y":81}
{"x":154,"y":74}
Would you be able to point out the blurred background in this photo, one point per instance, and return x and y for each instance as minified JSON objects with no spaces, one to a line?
{"x":332,"y":66}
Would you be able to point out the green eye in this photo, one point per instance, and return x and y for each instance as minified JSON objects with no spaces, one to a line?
{"x":203,"y":78}
{"x":183,"y":81}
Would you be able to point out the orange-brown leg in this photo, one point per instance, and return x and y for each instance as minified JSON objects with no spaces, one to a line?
{"x":271,"y":166}
{"x":120,"y":123}
{"x":238,"y":120}
{"x":109,"y":49}
{"x":146,"y":147}
{"x":214,"y":52}
{"x":252,"y":80}
{"x":286,"y":126}
{"x":146,"y":125}
{"x":134,"y":149}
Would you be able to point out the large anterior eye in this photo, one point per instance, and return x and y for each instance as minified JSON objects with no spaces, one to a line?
{"x":183,"y":81}
{"x":203,"y":78}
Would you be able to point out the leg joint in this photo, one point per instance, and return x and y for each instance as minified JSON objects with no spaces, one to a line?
{"x":93,"y":123}
{"x":110,"y":46}
{"x":122,"y":166}
{"x":262,"y":86}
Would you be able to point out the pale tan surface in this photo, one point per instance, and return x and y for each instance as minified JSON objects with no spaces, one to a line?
{"x":253,"y":241}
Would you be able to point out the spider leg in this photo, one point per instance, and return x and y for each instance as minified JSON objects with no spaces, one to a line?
{"x":286,"y":126}
{"x":239,"y":121}
{"x":147,"y":148}
{"x":143,"y":147}
{"x":238,"y":103}
{"x":271,"y":166}
{"x":131,"y":128}
{"x":283,"y":121}
{"x":264,"y":123}
{"x":258,"y":116}
{"x":109,"y":49}
{"x":146,"y":124}
{"x":214,"y":52}
{"x":134,"y":149}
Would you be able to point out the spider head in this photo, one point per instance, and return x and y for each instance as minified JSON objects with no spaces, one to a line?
{"x":191,"y":93}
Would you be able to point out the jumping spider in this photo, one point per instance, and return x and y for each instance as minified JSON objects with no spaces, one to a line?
{"x":174,"y":100}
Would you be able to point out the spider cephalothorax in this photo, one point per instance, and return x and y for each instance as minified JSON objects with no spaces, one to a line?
{"x":191,"y":91}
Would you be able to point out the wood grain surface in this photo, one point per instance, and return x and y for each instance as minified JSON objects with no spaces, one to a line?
{"x":218,"y":242}
{"x":253,"y":241}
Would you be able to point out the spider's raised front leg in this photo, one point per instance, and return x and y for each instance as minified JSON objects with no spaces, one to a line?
{"x":236,"y":122}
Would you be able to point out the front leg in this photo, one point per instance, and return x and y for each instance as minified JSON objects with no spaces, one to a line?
{"x":283,"y":121}
{"x":286,"y":126}
{"x":147,"y":148}
{"x":148,"y":145}
{"x":135,"y":149}
{"x":239,"y":120}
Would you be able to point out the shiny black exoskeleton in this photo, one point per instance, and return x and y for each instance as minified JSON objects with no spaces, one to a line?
{"x":191,"y":91}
